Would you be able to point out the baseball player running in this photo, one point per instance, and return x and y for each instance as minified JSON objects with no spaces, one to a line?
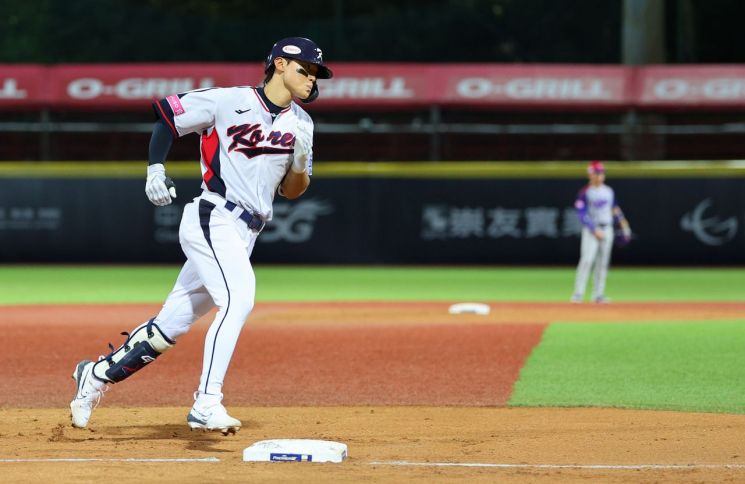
{"x":255,"y":141}
{"x":597,"y":209}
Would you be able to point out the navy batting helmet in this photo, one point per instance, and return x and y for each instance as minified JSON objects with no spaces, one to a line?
{"x":302,"y":49}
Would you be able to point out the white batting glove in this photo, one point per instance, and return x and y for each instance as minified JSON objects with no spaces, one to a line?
{"x":303,"y":146}
{"x":158,"y":188}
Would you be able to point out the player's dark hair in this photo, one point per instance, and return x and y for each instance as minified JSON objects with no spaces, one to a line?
{"x":269,"y":74}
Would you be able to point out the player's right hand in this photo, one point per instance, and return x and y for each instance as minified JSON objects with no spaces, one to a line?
{"x":303,"y":144}
{"x":159,"y":189}
{"x":599,"y":234}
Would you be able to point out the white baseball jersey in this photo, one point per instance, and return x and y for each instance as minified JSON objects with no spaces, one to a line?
{"x":595,"y":205}
{"x":245,"y":151}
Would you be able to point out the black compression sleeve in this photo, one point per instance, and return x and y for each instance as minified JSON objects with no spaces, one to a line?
{"x":160,"y":143}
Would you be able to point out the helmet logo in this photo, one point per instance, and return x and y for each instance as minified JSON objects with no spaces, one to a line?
{"x":291,"y":49}
{"x":319,"y":55}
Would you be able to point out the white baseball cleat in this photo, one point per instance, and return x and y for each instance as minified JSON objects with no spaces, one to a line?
{"x":211,"y":418}
{"x":576,"y":298}
{"x":601,"y":300}
{"x":87,"y":395}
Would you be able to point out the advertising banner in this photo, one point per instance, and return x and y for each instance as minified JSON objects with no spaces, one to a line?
{"x":720,"y":87}
{"x":681,"y":221}
{"x":23,"y":86}
{"x":135,"y":86}
{"x":390,"y":85}
{"x":545,"y":86}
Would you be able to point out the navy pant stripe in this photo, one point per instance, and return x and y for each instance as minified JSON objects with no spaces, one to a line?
{"x":205,"y":211}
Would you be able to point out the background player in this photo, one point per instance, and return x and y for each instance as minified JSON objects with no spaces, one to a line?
{"x":597,"y":209}
{"x":254,"y":142}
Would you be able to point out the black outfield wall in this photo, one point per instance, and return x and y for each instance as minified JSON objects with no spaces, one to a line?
{"x":383,"y":219}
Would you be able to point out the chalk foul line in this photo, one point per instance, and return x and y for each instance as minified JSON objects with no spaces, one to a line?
{"x":131,"y":459}
{"x":562,"y":466}
{"x":424,"y":464}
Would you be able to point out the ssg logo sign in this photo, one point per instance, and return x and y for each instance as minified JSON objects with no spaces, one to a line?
{"x":295,"y":223}
{"x":711,"y":230}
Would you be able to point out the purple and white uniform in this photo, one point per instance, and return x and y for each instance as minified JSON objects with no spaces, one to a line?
{"x":595,"y":208}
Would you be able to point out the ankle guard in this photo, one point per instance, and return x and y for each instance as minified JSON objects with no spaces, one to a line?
{"x":144,"y":345}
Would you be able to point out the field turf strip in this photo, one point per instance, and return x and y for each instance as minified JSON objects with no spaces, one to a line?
{"x":151,"y":284}
{"x":692,"y":366}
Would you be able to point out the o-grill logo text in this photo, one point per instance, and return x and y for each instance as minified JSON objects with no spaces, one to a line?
{"x":248,"y":136}
{"x":135,"y":87}
{"x":9,"y":90}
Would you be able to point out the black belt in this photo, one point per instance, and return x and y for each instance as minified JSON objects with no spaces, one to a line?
{"x":253,"y":220}
{"x":602,"y":226}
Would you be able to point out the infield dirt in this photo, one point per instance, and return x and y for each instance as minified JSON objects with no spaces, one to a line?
{"x":394,"y":381}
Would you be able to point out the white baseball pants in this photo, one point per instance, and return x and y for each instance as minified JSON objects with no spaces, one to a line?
{"x":593,"y":252}
{"x":217,"y":272}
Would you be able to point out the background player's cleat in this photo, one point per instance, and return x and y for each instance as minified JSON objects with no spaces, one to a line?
{"x":214,"y":417}
{"x":87,"y":394}
{"x":601,"y":300}
{"x":576,"y":298}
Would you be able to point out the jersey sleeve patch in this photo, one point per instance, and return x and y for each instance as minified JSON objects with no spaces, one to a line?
{"x":163,"y":111}
{"x":176,"y":105}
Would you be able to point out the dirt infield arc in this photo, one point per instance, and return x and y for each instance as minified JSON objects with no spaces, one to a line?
{"x":287,"y":355}
{"x":396,"y":381}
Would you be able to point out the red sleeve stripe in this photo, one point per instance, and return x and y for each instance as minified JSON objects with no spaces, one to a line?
{"x":166,"y":118}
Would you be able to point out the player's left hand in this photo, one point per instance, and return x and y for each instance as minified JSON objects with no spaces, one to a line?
{"x":623,"y":238}
{"x":303,"y":144}
{"x":626,"y":235}
{"x":160,"y":189}
{"x":621,"y":241}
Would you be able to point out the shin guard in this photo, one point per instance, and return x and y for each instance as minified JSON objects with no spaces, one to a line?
{"x":144,"y":345}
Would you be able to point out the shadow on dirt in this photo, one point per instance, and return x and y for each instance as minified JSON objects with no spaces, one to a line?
{"x":196,"y":440}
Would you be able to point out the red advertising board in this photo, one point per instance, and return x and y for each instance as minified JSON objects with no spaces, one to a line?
{"x":135,"y":85}
{"x":23,"y":86}
{"x":508,"y":86}
{"x":686,"y":87}
{"x":548,"y":86}
{"x":390,"y":86}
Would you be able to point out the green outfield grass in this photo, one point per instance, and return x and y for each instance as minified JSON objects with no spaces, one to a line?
{"x":149,"y":284}
{"x":692,"y":366}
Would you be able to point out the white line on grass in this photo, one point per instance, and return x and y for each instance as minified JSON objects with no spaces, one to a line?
{"x":131,"y":459}
{"x":562,"y":466}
